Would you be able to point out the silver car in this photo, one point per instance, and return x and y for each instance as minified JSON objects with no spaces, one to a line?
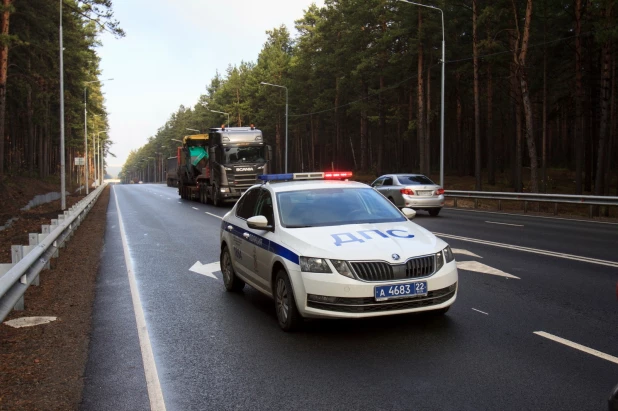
{"x":414,"y":191}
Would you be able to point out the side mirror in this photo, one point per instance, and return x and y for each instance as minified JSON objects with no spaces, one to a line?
{"x":409,"y":213}
{"x":259,"y":222}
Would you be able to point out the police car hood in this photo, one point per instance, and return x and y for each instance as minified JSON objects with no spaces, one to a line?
{"x":383,"y":241}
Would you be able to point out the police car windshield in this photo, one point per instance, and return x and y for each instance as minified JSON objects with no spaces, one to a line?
{"x":239,"y":155}
{"x":335,"y":206}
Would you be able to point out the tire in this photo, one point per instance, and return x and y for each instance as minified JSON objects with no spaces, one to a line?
{"x":216,"y":201}
{"x":288,"y":317}
{"x":231,"y":282}
{"x":434,"y":212}
{"x":440,"y":312}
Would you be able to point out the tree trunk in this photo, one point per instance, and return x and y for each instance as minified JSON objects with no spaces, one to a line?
{"x":363,"y":128}
{"x":382,"y":133}
{"x":460,"y":162}
{"x":491,"y":162}
{"x":477,"y":105}
{"x":420,"y":98}
{"x":428,"y":119}
{"x":579,"y":96}
{"x":544,"y":114}
{"x":605,"y":104}
{"x":4,"y":65}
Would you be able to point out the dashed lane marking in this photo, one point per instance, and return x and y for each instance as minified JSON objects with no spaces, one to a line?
{"x":479,"y":311}
{"x":580,"y":347}
{"x":214,"y":215}
{"x":512,"y":225}
{"x":532,"y":250}
{"x":155,"y":394}
{"x":195,"y":208}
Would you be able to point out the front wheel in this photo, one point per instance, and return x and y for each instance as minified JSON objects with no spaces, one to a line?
{"x":287,"y":314}
{"x":230,"y":280}
{"x":216,"y":201}
{"x":434,"y":212}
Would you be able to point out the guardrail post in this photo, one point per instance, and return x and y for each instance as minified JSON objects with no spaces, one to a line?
{"x":499,"y":205}
{"x":476,"y":203}
{"x":16,"y":255}
{"x":590,"y":212}
{"x":33,"y":241}
{"x":455,"y":202}
{"x":525,"y":207}
{"x":555,"y":208}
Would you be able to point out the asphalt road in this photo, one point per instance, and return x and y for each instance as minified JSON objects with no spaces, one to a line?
{"x":215,"y":350}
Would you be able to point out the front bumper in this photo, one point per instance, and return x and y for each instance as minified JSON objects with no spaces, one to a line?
{"x":423,"y":202}
{"x":355,"y":299}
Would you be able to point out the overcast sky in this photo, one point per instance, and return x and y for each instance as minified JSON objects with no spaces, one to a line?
{"x":171,"y":52}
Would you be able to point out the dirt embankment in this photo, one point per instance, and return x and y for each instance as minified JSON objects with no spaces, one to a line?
{"x":41,"y":367}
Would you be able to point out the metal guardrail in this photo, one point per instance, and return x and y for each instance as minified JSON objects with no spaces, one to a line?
{"x":591,"y":201}
{"x":28,"y":261}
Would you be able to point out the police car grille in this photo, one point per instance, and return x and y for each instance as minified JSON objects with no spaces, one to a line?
{"x":370,"y":305}
{"x":420,"y":267}
{"x":374,"y":271}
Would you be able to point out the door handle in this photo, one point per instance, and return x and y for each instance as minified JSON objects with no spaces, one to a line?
{"x":229,"y":227}
{"x":246,"y":235}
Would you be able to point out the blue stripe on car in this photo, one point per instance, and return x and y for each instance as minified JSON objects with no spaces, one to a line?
{"x":262,"y":242}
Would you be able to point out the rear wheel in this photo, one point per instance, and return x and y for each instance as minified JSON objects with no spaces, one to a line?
{"x":216,"y":201}
{"x":287,"y":314}
{"x":230,"y":280}
{"x":434,"y":212}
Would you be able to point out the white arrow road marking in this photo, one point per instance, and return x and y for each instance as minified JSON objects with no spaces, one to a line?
{"x":532,"y":250}
{"x":206,"y":269}
{"x":29,"y":321}
{"x":482,"y":268}
{"x":464,"y":252}
{"x":195,"y":208}
{"x":580,"y":347}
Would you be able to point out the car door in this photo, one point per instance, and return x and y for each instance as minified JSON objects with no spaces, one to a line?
{"x":387,"y":188}
{"x":242,"y":247}
{"x":378,"y":184}
{"x":261,"y":252}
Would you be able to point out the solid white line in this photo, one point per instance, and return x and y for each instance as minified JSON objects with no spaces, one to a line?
{"x":530,"y":216}
{"x":532,"y":250}
{"x":155,"y":394}
{"x":195,"y":208}
{"x":482,"y":312}
{"x":214,"y":215}
{"x":580,"y":347}
{"x":495,"y":222}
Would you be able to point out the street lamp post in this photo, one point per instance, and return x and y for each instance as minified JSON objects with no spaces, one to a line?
{"x":63,"y":202}
{"x":442,"y":91}
{"x":286,"y":121}
{"x":86,"y":127}
{"x":221,"y":112}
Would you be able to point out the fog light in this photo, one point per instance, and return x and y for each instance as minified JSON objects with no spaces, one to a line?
{"x":321,"y":298}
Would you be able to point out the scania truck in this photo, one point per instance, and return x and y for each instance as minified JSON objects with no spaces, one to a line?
{"x":219,"y":166}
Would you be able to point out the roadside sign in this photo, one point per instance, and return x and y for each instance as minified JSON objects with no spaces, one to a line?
{"x":79,"y":161}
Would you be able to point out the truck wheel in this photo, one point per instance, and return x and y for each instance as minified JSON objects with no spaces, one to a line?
{"x":216,"y":201}
{"x":230,"y":280}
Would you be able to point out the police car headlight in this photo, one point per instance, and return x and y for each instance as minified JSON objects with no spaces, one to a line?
{"x":444,"y":257}
{"x":342,"y":267}
{"x":314,"y":265}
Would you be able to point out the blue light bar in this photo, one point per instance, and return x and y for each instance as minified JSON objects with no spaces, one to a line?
{"x":275,"y":177}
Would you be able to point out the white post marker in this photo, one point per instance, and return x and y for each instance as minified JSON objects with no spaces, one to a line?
{"x":206,"y":269}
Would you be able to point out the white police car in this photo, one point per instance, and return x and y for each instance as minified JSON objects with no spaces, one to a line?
{"x":323,"y":248}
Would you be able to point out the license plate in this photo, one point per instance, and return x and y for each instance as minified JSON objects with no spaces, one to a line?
{"x":388,"y":292}
{"x":424,"y":193}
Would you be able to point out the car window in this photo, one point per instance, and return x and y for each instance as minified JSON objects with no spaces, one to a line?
{"x":335,"y":206}
{"x":388,"y":181}
{"x":378,"y":182}
{"x":415,"y":180}
{"x":265,"y":206}
{"x":246,"y":206}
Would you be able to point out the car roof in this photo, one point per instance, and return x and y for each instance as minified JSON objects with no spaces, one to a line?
{"x":279,"y":187}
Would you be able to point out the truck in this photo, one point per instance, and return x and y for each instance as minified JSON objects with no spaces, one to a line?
{"x":220,"y":166}
{"x":171,"y":175}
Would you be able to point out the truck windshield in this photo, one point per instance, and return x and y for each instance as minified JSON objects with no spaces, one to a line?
{"x":237,"y":155}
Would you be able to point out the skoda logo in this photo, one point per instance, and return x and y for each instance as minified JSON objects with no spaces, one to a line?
{"x":395,"y":257}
